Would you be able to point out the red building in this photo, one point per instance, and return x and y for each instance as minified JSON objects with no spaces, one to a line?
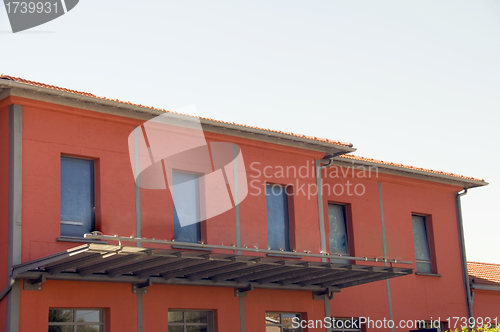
{"x":485,"y":287}
{"x":381,"y":241}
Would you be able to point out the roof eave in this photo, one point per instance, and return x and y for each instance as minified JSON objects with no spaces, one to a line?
{"x":486,"y":287}
{"x":412,"y":173}
{"x":9,"y":87}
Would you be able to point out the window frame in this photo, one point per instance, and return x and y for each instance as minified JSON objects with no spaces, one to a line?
{"x":343,"y":329}
{"x":348,"y":227}
{"x":210,"y":319}
{"x":428,"y":325}
{"x":199,"y":225}
{"x":282,"y":325}
{"x":427,"y":221}
{"x":101,"y":323}
{"x":93,"y":196}
{"x":289,"y":239}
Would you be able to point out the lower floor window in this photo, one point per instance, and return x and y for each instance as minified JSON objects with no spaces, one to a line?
{"x":429,"y":326}
{"x":76,"y":320}
{"x":283,"y":322}
{"x":190,"y":321}
{"x":345,"y":324}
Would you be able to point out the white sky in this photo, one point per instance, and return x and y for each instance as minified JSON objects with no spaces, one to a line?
{"x":414,"y":82}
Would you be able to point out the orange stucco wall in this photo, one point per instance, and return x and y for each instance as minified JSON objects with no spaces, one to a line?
{"x":50,"y":131}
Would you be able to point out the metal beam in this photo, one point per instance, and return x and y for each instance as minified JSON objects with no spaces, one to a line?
{"x":293,"y":279}
{"x":240,"y":272}
{"x":368,"y":280}
{"x":353,"y":277}
{"x":278,"y":253}
{"x":75,"y":263}
{"x":193,"y":269}
{"x":230,"y":266}
{"x":322,"y":277}
{"x":153,"y":261}
{"x":158,"y":280}
{"x":287,"y":275}
{"x":175,"y":264}
{"x":264,"y":274}
{"x":107,"y":264}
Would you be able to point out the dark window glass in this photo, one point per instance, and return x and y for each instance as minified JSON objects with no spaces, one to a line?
{"x":77,"y":196}
{"x":186,"y":207}
{"x":339,"y":242}
{"x":76,"y":320}
{"x":346,"y":324}
{"x":278,"y":230}
{"x":282,"y":322}
{"x":190,"y":321}
{"x":421,"y":242}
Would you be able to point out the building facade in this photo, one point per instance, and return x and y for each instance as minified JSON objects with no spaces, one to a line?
{"x":485,"y":287}
{"x":379,"y":241}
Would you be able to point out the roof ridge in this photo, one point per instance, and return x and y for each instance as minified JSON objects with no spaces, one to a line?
{"x":389,"y":163}
{"x":54,"y":87}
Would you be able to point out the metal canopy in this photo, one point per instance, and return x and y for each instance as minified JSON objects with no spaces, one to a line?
{"x":110,"y":263}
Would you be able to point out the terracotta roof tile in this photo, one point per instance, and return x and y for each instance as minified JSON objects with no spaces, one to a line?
{"x":43,"y":85}
{"x":484,"y":273}
{"x":325,"y":140}
{"x":353,"y":157}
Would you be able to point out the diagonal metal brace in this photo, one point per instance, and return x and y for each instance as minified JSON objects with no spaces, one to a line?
{"x":141,"y":288}
{"x":320,"y":295}
{"x":242,"y":292}
{"x":34,"y":284}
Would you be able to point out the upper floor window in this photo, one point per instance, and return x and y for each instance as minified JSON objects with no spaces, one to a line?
{"x":74,"y":320}
{"x":186,"y":194}
{"x":278,"y":228}
{"x":337,"y":222}
{"x":421,"y":242}
{"x":77,"y":196}
{"x":282,"y":322}
{"x":190,"y":321}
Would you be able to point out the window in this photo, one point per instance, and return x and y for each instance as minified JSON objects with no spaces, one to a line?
{"x":428,"y":326}
{"x":339,"y":239}
{"x":190,"y":321}
{"x":421,"y":242}
{"x":76,"y":320}
{"x":77,"y":196}
{"x":278,"y":229}
{"x":346,"y":324}
{"x":282,"y":322}
{"x":186,"y":192}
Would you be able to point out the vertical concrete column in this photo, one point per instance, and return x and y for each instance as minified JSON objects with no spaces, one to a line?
{"x":15,"y":211}
{"x":138,"y":220}
{"x":384,"y":240}
{"x":238,"y":228}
